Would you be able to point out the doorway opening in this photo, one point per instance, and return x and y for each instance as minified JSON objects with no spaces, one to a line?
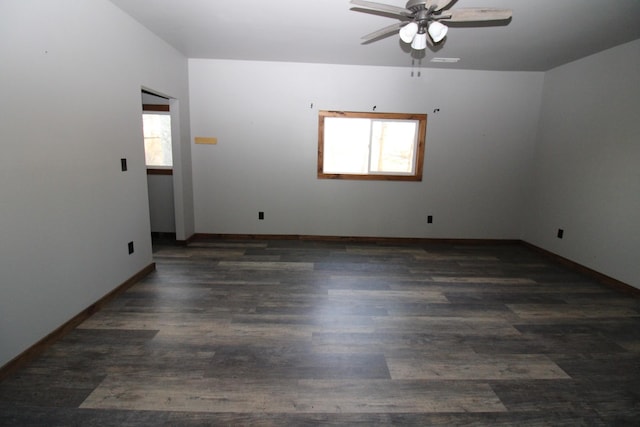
{"x":158,"y":147}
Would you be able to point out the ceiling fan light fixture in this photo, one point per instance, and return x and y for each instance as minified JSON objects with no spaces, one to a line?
{"x":408,"y":32}
{"x":419,"y":41}
{"x":437,"y":31}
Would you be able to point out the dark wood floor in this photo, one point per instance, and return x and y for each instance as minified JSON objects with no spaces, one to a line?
{"x":321,"y":333}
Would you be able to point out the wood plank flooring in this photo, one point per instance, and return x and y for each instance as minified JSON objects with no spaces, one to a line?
{"x":334,"y":333}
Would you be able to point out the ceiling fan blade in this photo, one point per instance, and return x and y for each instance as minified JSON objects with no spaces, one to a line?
{"x":396,"y":10}
{"x":383,"y":31}
{"x":476,"y":14}
{"x":439,"y":4}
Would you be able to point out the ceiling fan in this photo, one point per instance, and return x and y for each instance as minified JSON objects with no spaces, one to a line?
{"x":422,"y":17}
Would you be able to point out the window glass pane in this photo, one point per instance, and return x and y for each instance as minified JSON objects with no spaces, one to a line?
{"x":346,"y":145}
{"x":157,"y":139}
{"x":393,"y":146}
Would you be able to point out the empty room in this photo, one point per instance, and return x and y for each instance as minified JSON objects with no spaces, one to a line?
{"x":319,"y":212}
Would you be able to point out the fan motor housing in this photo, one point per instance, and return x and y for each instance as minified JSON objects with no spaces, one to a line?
{"x":416,"y":5}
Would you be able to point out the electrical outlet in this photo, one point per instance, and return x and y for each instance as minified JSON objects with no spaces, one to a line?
{"x":260,"y":215}
{"x":560,"y":233}
{"x":430,"y":219}
{"x":130,"y":246}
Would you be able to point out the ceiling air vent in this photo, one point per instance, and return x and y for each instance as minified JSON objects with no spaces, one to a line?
{"x":447,"y":60}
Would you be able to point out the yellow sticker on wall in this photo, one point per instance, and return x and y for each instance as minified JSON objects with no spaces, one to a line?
{"x":203,"y":140}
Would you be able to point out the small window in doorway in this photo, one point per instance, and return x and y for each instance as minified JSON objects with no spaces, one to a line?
{"x":157,"y":138}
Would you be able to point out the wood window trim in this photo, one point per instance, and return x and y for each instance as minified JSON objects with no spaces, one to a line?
{"x":155,"y":107}
{"x":157,"y":171}
{"x":422,"y":131}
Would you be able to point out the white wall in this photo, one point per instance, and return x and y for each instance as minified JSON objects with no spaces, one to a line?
{"x":70,"y":77}
{"x":478,"y":149}
{"x":161,"y":209}
{"x":587,"y":164}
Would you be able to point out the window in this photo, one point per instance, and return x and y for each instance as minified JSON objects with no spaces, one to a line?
{"x":157,"y":138}
{"x":372,"y":146}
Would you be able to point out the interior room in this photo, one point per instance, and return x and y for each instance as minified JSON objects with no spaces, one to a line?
{"x":529,"y":172}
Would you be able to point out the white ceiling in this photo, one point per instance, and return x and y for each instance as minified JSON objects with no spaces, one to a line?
{"x":542,"y":34}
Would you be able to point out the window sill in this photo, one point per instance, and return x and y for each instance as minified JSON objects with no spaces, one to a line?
{"x":159,"y":171}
